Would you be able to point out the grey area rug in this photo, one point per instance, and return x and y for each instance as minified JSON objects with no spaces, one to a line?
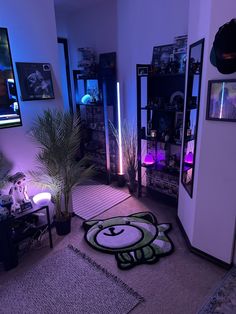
{"x":67,"y":282}
{"x":223,"y":300}
{"x":92,"y":199}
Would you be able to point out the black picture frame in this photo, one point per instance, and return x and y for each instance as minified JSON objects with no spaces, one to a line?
{"x":35,"y":81}
{"x":143,"y":71}
{"x":162,"y":56}
{"x":10,"y":115}
{"x":221,"y":100}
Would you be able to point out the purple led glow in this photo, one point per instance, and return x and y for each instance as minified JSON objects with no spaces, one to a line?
{"x":161,"y":155}
{"x":149,"y":160}
{"x":189,"y":158}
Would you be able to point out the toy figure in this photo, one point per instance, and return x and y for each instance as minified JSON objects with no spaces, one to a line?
{"x":18,"y":190}
{"x":6,"y":202}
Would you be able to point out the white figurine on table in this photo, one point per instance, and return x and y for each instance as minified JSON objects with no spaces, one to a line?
{"x":18,"y":191}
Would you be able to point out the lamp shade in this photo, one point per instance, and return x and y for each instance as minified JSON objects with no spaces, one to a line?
{"x":42,"y":199}
{"x":149,"y":160}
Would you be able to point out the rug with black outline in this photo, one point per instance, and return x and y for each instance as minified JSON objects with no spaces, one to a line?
{"x":134,"y":239}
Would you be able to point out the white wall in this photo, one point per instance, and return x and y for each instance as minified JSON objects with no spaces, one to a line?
{"x":143,"y":24}
{"x":209,"y":218}
{"x":198,"y":28}
{"x":62,"y":21}
{"x":32,"y":34}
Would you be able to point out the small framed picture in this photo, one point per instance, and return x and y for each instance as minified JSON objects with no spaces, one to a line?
{"x":143,"y":71}
{"x":35,"y":80}
{"x":221,"y":102}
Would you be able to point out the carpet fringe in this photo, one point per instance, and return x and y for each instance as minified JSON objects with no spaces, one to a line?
{"x":107,"y":273}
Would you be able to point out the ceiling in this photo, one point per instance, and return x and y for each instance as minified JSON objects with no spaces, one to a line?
{"x":69,"y":5}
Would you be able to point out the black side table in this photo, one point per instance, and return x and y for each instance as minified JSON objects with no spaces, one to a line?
{"x":8,"y":249}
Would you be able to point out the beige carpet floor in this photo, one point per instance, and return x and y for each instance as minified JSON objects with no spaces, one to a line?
{"x":177,"y":284}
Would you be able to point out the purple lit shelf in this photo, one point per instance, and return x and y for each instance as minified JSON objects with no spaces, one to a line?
{"x":187,"y":166}
{"x":160,"y":168}
{"x":154,"y":139}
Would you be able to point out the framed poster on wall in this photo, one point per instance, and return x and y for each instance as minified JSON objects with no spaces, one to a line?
{"x":35,"y":80}
{"x":221,"y":103}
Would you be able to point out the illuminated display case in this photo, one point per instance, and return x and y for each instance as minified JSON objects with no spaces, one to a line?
{"x":160,"y":103}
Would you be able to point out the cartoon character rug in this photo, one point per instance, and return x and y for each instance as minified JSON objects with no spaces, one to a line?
{"x":135,"y":239}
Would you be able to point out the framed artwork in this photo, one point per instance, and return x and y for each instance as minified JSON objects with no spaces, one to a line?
{"x":35,"y":80}
{"x":107,"y":65}
{"x":180,"y":44}
{"x":162,"y":55}
{"x":143,"y":71}
{"x":221,"y":102}
{"x":9,"y":104}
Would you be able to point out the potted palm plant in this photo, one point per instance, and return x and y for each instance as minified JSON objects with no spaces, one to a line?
{"x":59,"y":135}
{"x":129,"y":148}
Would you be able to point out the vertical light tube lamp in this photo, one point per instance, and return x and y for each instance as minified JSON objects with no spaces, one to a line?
{"x":119,"y":131}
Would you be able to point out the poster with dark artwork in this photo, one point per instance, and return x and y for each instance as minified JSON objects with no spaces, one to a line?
{"x":9,"y":105}
{"x":35,"y":80}
{"x":107,"y":65}
{"x":180,"y":52}
{"x":162,"y":56}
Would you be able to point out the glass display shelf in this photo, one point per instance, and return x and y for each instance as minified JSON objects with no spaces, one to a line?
{"x":189,"y":138}
{"x":162,"y":168}
{"x":161,"y":110}
{"x":154,"y":139}
{"x":187,"y":166}
{"x":92,"y":104}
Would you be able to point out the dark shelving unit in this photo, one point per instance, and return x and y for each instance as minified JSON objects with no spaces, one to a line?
{"x":160,"y":91}
{"x":98,"y":143}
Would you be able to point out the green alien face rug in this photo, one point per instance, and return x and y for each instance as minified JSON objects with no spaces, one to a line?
{"x":135,"y":239}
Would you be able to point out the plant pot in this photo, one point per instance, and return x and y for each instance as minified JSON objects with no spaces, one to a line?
{"x":132,"y":186}
{"x":63,"y":227}
{"x":120,"y":180}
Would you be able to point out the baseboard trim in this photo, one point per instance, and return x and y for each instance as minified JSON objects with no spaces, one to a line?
{"x":200,"y":253}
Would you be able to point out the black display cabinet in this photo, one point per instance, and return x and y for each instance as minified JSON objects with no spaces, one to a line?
{"x":96,"y":102}
{"x":159,"y":129}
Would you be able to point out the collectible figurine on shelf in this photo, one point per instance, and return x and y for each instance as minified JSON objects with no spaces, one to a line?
{"x":18,"y":191}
